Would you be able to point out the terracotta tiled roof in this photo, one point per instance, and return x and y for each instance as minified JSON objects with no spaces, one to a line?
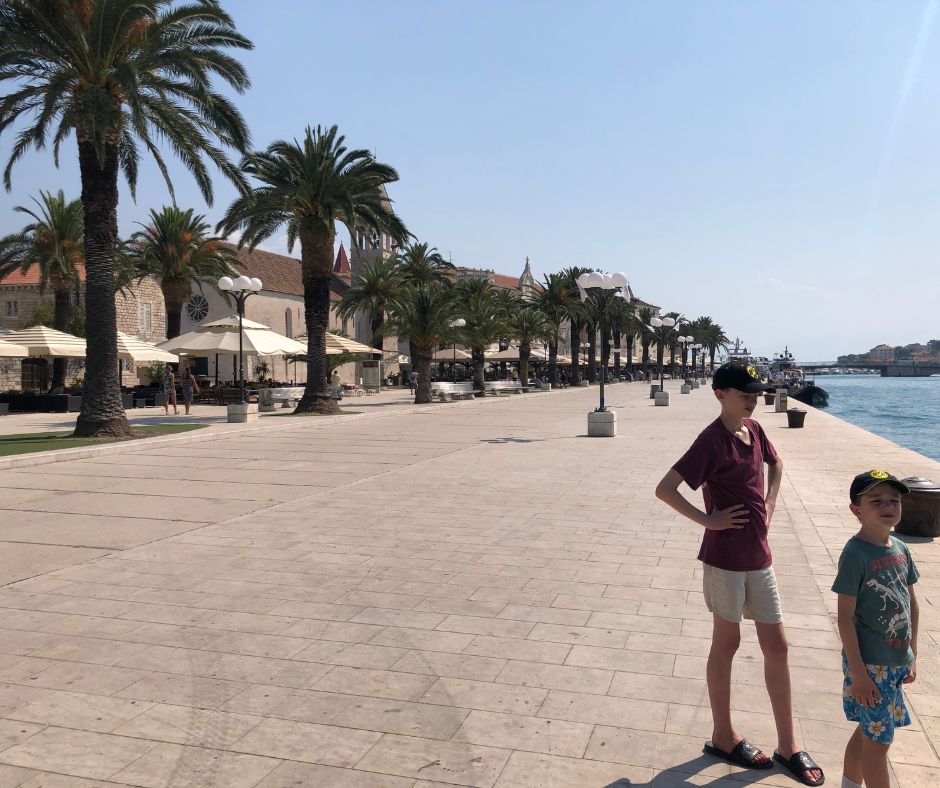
{"x":507,"y":282}
{"x":31,"y":276}
{"x":279,"y":273}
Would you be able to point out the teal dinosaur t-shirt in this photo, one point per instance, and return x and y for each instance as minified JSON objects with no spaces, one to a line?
{"x":878,"y":577}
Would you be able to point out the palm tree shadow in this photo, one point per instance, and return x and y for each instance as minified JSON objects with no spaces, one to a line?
{"x":679,"y":776}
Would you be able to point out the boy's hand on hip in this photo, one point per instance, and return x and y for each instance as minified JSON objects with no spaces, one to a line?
{"x":865,"y":691}
{"x":732,"y":518}
{"x":911,"y":677}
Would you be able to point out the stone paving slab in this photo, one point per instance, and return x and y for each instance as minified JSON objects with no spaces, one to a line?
{"x":472,"y":595}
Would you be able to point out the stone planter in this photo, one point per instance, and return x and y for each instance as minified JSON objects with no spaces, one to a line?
{"x":240,"y":413}
{"x":695,"y":384}
{"x":685,"y":389}
{"x":920,"y":510}
{"x":768,"y":398}
{"x":661,"y":398}
{"x":602,"y":424}
{"x":780,"y":402}
{"x":653,"y":389}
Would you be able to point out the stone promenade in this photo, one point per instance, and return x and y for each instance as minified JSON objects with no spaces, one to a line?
{"x":472,"y":594}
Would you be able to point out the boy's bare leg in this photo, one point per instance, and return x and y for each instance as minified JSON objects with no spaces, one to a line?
{"x":875,"y":764}
{"x":852,"y":762}
{"x":774,"y":647}
{"x":726,"y":637}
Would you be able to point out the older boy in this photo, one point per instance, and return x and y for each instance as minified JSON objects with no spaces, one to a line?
{"x":878,"y":617}
{"x":727,"y":460}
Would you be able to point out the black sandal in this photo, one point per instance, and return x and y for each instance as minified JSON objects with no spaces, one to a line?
{"x":744,"y":754}
{"x":798,"y":764}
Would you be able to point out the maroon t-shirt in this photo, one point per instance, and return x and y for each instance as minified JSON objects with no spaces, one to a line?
{"x":732,"y":473}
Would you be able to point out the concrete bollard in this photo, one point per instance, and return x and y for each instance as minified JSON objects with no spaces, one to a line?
{"x":661,"y":398}
{"x":653,"y":389}
{"x":602,"y":424}
{"x":685,"y":389}
{"x":695,"y":384}
{"x":780,"y":402}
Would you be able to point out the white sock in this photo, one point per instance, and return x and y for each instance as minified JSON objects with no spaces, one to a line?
{"x":847,"y":783}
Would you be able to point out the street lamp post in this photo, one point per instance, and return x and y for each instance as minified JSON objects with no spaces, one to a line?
{"x":599,"y":290}
{"x":458,"y":323}
{"x":685,"y":342}
{"x":662,"y":322}
{"x":696,"y":347}
{"x":240,"y":288}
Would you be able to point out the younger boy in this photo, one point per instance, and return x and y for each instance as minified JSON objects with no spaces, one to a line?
{"x":727,"y":460}
{"x":878,"y":618}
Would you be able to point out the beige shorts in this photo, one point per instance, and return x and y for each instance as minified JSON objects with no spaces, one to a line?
{"x":737,"y":595}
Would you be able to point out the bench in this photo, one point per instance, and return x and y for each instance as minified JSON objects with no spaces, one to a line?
{"x":497,"y":387}
{"x":288,"y":396}
{"x":443,"y":390}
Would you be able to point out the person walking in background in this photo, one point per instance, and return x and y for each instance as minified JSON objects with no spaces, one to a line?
{"x":169,"y":390}
{"x":189,"y":387}
{"x":413,"y":381}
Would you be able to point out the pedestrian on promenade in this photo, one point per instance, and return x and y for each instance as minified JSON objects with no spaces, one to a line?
{"x":169,"y":390}
{"x":189,"y":387}
{"x":878,"y":618}
{"x":727,"y":459}
{"x":413,"y":381}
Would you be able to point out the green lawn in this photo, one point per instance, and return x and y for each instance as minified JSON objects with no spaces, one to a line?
{"x":53,"y":441}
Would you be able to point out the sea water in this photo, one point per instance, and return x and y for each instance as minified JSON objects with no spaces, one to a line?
{"x":903,"y":410}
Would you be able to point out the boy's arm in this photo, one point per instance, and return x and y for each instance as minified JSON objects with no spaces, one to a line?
{"x":915,"y":623}
{"x":774,"y":477}
{"x":863,"y":688}
{"x":720,"y":520}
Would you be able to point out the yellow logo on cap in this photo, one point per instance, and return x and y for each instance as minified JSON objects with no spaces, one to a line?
{"x":878,"y":475}
{"x":751,"y":371}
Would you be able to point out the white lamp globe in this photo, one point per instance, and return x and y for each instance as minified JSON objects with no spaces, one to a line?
{"x":594,"y":280}
{"x":690,"y":339}
{"x":242,"y":283}
{"x":608,"y":282}
{"x":669,"y":322}
{"x":255,"y":284}
{"x":583,"y":280}
{"x":618,"y":279}
{"x":225,"y":283}
{"x":656,"y":322}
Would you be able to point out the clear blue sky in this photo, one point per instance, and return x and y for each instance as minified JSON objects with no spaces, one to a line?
{"x":774,"y":165}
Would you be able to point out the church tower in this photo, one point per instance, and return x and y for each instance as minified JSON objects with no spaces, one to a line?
{"x":527,"y":283}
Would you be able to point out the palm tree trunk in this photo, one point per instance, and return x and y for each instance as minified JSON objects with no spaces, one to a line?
{"x":575,"y":352}
{"x":525,"y":350}
{"x":478,"y":362}
{"x":617,"y":339}
{"x":375,"y":326}
{"x":102,"y":413}
{"x":631,"y":340}
{"x":60,"y":322}
{"x":421,"y":360}
{"x":553,"y":362}
{"x":646,"y":355}
{"x":711,"y":359}
{"x":316,"y":253}
{"x":175,"y":293}
{"x":659,"y":356}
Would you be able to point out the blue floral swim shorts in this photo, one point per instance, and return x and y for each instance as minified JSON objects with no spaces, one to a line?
{"x":878,"y":722}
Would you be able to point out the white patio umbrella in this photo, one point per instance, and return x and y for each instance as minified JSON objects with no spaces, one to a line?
{"x":45,"y":341}
{"x":131,"y":348}
{"x":256,"y":342}
{"x":336,"y":344}
{"x":11,"y":350}
{"x":448,"y":355}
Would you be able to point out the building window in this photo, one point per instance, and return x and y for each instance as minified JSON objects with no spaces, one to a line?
{"x":289,"y":323}
{"x":11,"y":308}
{"x":197,"y":308}
{"x":143,"y":318}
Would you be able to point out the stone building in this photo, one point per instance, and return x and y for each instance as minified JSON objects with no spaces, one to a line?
{"x":140,"y":312}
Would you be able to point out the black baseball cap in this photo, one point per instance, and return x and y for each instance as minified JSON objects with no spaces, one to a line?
{"x":864,"y":482}
{"x":742,"y":377}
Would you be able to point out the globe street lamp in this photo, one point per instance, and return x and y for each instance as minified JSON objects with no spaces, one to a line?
{"x":696,"y":347}
{"x":598,"y":291}
{"x":667,"y":323}
{"x":458,"y":323}
{"x":240,"y":288}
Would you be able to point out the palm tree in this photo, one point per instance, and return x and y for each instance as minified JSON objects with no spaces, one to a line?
{"x":527,"y":323}
{"x":421,"y":264}
{"x":714,"y":340}
{"x":644,"y":315}
{"x":422,"y":315}
{"x":372,"y":291}
{"x":120,"y":74}
{"x":306,"y":187}
{"x":177,"y":248}
{"x":54,"y":243}
{"x":485,"y":322}
{"x":554,"y":299}
{"x":576,"y":318}
{"x":620,"y":318}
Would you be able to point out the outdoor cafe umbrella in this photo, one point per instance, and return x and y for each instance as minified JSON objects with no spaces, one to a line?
{"x":130,"y":348}
{"x":11,"y":350}
{"x":45,"y":341}
{"x":449,"y":355}
{"x":337,"y":344}
{"x":222,"y":337}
